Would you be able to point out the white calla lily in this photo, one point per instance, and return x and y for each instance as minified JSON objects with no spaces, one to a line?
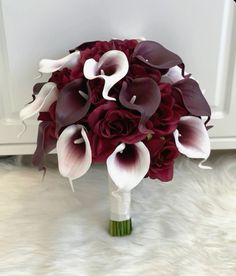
{"x":128,"y":165}
{"x":74,"y":152}
{"x":50,"y":66}
{"x":191,"y":138}
{"x":43,"y":100}
{"x":174,"y":75}
{"x":111,"y":67}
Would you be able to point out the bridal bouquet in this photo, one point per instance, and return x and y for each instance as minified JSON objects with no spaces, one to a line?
{"x":127,"y":103}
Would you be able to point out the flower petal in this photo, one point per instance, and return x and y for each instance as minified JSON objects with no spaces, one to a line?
{"x":43,"y":100}
{"x":74,"y":152}
{"x":156,"y":56}
{"x":191,"y":138}
{"x":128,"y":165}
{"x":193,"y":98}
{"x":72,"y":104}
{"x":143,"y":95}
{"x":111,"y":67}
{"x":46,"y":142}
{"x":49,"y":65}
{"x":174,"y":75}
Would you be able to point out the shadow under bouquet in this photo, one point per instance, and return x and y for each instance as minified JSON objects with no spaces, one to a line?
{"x":128,"y":103}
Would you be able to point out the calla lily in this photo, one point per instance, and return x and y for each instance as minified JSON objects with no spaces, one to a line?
{"x":50,"y":66}
{"x":43,"y":100}
{"x":193,"y":98}
{"x":74,"y":152}
{"x":46,"y":142}
{"x":128,"y":165}
{"x":111,"y":67}
{"x":155,"y":55}
{"x":143,"y":95}
{"x":191,"y":138}
{"x":174,"y":75}
{"x":72,"y":104}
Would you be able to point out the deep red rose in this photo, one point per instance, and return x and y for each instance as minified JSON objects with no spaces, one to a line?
{"x":101,"y":147}
{"x":61,"y":78}
{"x":163,"y":152}
{"x":118,"y":125}
{"x":140,"y":71}
{"x":166,"y":118}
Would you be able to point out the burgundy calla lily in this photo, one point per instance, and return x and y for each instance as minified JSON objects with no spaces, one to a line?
{"x":72,"y":104}
{"x":156,"y":56}
{"x":46,"y":142}
{"x":143,"y":95}
{"x":192,"y":97}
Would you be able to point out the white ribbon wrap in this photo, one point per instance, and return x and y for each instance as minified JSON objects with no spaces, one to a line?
{"x":119,"y":202}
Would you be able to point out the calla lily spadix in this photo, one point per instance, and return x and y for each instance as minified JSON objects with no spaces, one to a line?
{"x":192,"y":139}
{"x":111,"y":67}
{"x":50,"y":66}
{"x":143,"y":95}
{"x":128,"y":165}
{"x":74,"y":152}
{"x":72,"y":104}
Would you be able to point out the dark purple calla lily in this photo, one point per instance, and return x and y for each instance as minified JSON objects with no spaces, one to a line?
{"x":143,"y":95}
{"x":156,"y":56}
{"x":193,"y":98}
{"x":46,"y":142}
{"x":72,"y":104}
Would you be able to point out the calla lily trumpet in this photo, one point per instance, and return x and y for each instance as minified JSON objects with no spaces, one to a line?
{"x":74,"y":152}
{"x":128,"y":165}
{"x":72,"y":104}
{"x":192,"y":139}
{"x":111,"y":67}
{"x":43,"y":100}
{"x":143,"y":95}
{"x":174,"y":75}
{"x":50,"y":66}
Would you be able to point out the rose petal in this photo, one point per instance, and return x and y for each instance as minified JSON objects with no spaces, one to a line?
{"x":74,"y":152}
{"x":43,"y":100}
{"x":143,"y":95}
{"x":128,"y":165}
{"x":111,"y":67}
{"x":155,"y":55}
{"x":191,"y":138}
{"x":49,"y":65}
{"x":193,"y":98}
{"x":72,"y":104}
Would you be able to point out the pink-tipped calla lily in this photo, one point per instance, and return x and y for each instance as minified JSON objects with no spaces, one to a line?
{"x":143,"y":95}
{"x":193,"y":98}
{"x":50,"y":66}
{"x":111,"y":67}
{"x":74,"y":152}
{"x":191,"y":138}
{"x":128,"y":165}
{"x":72,"y":104}
{"x":43,"y":100}
{"x":155,"y":55}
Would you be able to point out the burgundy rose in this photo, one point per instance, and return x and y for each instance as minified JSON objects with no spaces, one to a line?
{"x":140,"y":71}
{"x":61,"y":78}
{"x":163,"y":152}
{"x":119,"y":125}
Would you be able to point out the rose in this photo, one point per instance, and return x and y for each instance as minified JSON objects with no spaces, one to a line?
{"x":61,"y":78}
{"x":119,"y":125}
{"x":166,"y":118}
{"x":163,"y":151}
